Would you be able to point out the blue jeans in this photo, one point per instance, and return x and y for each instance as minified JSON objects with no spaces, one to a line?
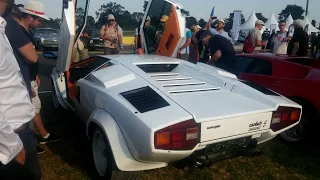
{"x":31,"y":168}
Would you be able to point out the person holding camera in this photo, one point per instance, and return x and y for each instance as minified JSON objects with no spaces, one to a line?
{"x":111,"y":34}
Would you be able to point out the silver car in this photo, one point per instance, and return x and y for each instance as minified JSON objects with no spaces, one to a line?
{"x":47,"y":39}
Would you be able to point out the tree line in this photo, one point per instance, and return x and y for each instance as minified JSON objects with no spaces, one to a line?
{"x":129,"y":21}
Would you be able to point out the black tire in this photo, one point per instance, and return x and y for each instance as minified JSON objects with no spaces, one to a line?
{"x":111,"y":172}
{"x":297,"y":133}
{"x":306,"y":126}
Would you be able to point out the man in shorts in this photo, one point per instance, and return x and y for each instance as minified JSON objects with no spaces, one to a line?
{"x":18,"y":155}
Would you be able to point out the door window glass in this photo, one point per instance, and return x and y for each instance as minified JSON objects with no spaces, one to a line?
{"x":159,"y":14}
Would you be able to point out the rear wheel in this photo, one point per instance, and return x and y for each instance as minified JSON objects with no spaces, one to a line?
{"x":297,"y":133}
{"x":103,"y":159}
{"x":306,"y":125}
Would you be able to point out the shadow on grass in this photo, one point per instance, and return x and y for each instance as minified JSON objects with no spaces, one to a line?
{"x":75,"y":148}
{"x":303,"y":156}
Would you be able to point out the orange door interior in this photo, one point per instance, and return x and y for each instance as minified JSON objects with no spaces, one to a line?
{"x":171,"y":35}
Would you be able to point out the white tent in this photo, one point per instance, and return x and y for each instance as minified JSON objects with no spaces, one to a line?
{"x":311,"y":28}
{"x":272,"y":23}
{"x":250,"y":23}
{"x":289,"y":21}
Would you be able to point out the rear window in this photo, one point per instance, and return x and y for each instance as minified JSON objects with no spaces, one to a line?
{"x":252,"y":65}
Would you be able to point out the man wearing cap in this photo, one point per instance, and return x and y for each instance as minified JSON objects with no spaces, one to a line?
{"x":32,"y":15}
{"x":220,"y":28}
{"x":163,"y":21}
{"x":18,"y":156}
{"x":298,"y":45}
{"x":256,"y":36}
{"x":111,"y":34}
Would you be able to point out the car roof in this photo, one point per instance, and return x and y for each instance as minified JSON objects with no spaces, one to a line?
{"x":270,"y":56}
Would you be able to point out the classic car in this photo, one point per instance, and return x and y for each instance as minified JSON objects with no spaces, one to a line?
{"x":297,"y":78}
{"x":47,"y":39}
{"x":144,"y":112}
{"x":95,"y":42}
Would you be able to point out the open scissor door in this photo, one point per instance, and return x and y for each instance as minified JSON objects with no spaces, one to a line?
{"x":163,"y":28}
{"x":74,"y":15}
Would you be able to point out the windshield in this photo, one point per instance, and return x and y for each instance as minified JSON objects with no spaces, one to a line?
{"x":95,"y":33}
{"x":47,"y":32}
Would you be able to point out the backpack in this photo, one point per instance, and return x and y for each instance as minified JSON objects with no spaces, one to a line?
{"x":248,"y":46}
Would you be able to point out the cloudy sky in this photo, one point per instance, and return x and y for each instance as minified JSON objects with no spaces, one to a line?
{"x":201,"y":8}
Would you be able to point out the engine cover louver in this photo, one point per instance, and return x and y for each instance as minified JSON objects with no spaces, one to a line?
{"x":145,"y":99}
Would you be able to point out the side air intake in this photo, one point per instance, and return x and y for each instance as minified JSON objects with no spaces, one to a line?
{"x":144,"y":99}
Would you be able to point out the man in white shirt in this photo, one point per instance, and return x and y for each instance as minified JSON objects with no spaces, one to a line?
{"x":18,"y":155}
{"x":281,"y":40}
{"x":220,"y":28}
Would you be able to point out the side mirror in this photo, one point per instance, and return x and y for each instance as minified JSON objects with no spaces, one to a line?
{"x":49,"y":55}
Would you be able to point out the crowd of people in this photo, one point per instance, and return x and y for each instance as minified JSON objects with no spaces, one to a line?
{"x":21,"y":126}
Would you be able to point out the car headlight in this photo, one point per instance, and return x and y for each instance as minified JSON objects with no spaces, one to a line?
{"x":42,"y":40}
{"x":91,"y":41}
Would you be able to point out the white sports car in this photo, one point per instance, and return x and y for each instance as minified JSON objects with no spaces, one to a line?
{"x":143,"y":112}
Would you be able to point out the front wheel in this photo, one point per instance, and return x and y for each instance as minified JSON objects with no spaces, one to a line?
{"x":298,"y":132}
{"x":103,"y":159}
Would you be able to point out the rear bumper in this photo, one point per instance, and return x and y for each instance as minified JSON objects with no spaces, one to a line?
{"x":203,"y":157}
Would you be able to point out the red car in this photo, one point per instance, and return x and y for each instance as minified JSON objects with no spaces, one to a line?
{"x":297,"y":78}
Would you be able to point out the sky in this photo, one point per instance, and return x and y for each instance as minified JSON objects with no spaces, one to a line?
{"x":202,"y":8}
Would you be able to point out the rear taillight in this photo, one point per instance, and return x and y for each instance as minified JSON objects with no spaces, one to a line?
{"x":181,"y":136}
{"x":284,"y":117}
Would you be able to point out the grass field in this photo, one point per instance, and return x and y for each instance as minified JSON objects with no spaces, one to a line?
{"x":71,"y":159}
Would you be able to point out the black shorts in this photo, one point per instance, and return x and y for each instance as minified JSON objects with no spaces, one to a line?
{"x":31,"y":168}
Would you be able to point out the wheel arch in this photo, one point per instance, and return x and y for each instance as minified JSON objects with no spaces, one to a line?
{"x":307,"y":105}
{"x":120,"y":151}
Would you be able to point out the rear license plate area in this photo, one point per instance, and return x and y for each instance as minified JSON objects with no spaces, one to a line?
{"x":228,"y":145}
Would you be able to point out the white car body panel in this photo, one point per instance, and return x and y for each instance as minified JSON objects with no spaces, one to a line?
{"x":66,"y":39}
{"x":123,"y":159}
{"x":226,"y":107}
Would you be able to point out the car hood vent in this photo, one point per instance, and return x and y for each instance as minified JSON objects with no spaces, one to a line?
{"x":144,"y":99}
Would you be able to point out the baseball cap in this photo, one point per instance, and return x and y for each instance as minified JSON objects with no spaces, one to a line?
{"x":110,"y":16}
{"x":221,"y":20}
{"x":148,"y":18}
{"x":164,"y":18}
{"x":259,"y":22}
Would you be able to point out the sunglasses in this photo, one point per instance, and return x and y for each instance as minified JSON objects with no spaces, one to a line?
{"x":111,"y":20}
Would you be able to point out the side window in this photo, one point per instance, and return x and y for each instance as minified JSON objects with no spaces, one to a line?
{"x":242,"y":63}
{"x":259,"y":66}
{"x":302,"y":61}
{"x":159,"y":14}
{"x":81,"y":9}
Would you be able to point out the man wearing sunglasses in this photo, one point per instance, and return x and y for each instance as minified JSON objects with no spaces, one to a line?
{"x":281,"y":39}
{"x":111,"y":34}
{"x":18,"y":156}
